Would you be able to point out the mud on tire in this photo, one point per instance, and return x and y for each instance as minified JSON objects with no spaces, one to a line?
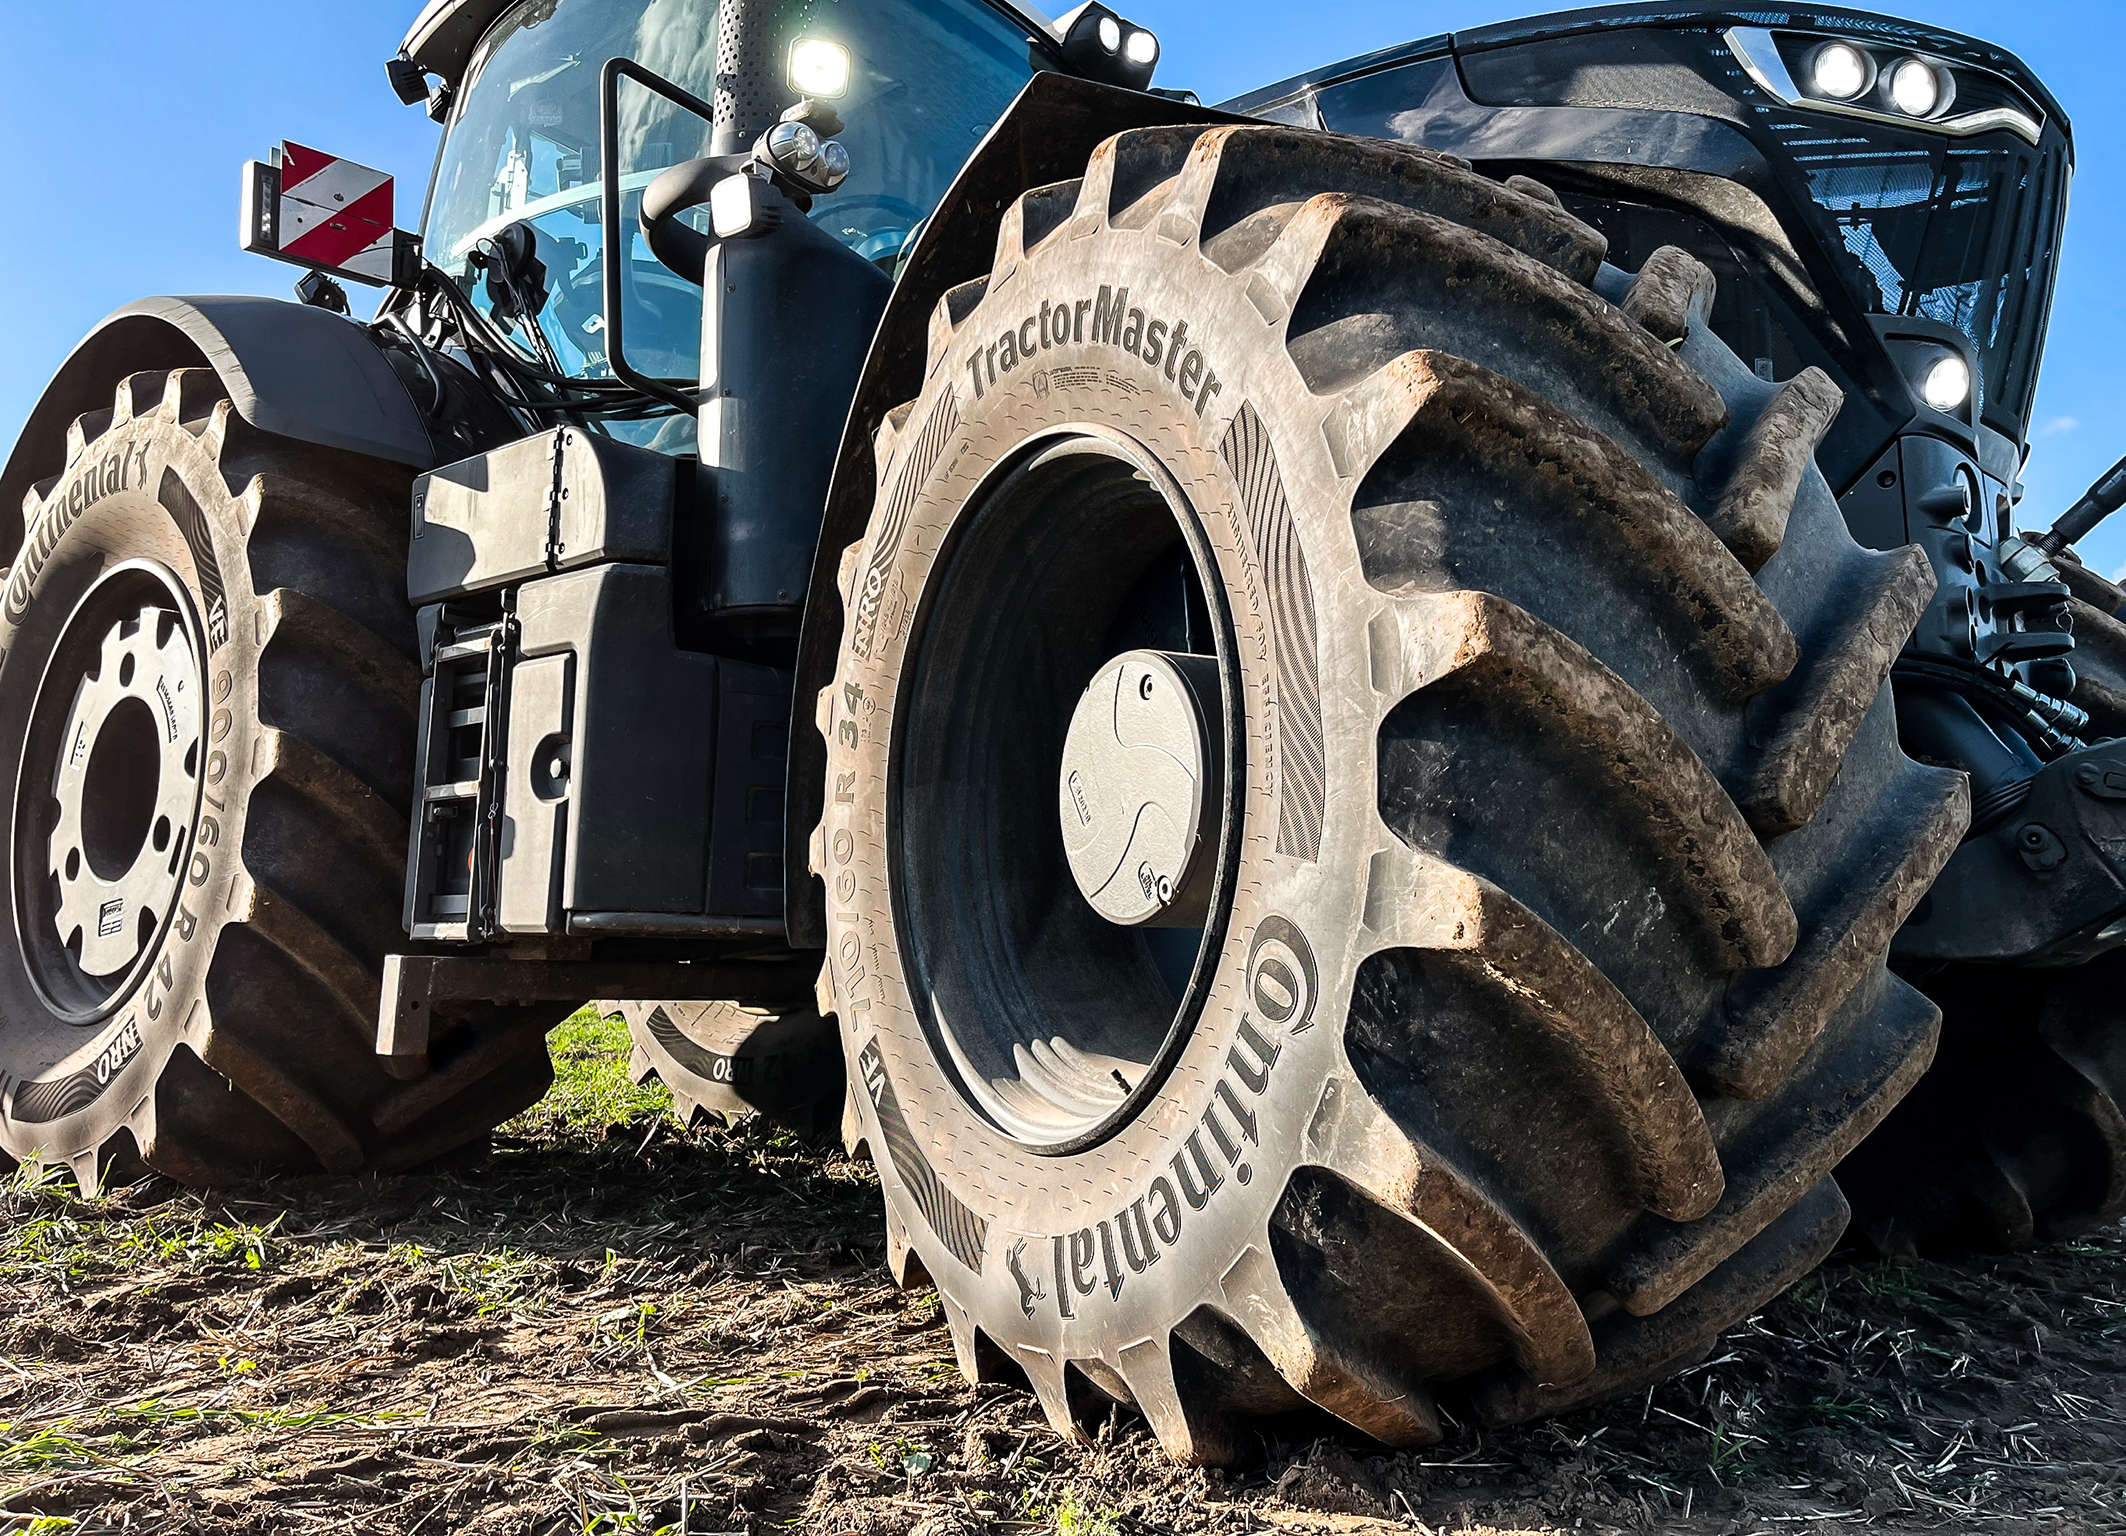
{"x":207,"y":690}
{"x":1542,"y":986}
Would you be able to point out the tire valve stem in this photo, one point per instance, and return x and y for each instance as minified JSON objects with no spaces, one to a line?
{"x":1116,"y":1074}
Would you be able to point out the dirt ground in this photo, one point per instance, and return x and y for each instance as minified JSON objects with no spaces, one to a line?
{"x":612,"y":1324}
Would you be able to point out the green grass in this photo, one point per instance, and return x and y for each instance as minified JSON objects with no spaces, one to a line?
{"x":591,"y":1088}
{"x":154,"y":1411}
{"x":1840,"y":1413}
{"x":55,"y":1233}
{"x":45,"y":1448}
{"x":493,"y":1280}
{"x":1076,"y":1517}
{"x":1893,"y":1280}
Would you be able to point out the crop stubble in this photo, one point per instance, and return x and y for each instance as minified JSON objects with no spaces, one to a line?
{"x":613,"y":1324}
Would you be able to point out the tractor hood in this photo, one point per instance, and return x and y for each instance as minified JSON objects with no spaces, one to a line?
{"x":1854,"y":219}
{"x":1864,"y":25}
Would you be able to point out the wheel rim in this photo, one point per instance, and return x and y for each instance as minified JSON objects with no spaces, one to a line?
{"x":109,"y":790}
{"x":1056,"y":1019}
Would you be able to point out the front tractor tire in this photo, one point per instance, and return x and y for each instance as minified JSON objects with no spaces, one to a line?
{"x":1363,"y":816}
{"x":207,"y":694}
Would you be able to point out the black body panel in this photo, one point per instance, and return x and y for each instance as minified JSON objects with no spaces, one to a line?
{"x":786,"y":319}
{"x":556,"y":502}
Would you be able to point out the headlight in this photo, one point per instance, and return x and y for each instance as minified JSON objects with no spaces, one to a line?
{"x":1099,"y":45}
{"x":1946,"y":384}
{"x":1915,"y":87}
{"x":793,"y":145}
{"x":1855,"y":79}
{"x":818,"y":67}
{"x":1840,"y":71}
{"x":798,"y":152}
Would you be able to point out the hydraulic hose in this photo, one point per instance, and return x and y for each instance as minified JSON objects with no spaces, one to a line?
{"x":2097,"y":503}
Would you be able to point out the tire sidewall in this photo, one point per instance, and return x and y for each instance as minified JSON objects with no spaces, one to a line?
{"x":107,"y":508}
{"x":1039,"y":1214}
{"x":734,"y":1061}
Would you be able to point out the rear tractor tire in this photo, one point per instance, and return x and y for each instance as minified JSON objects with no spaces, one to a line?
{"x":1363,"y":814}
{"x":726,"y":1061}
{"x":2017,"y":1135}
{"x":207,"y":696}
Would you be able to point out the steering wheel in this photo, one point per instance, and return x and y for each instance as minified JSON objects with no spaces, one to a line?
{"x":902,"y":218}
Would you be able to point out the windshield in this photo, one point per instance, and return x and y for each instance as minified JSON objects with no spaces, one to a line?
{"x":1955,"y":231}
{"x":928,"y":80}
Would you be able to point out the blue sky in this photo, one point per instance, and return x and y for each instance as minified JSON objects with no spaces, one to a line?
{"x":130,"y":120}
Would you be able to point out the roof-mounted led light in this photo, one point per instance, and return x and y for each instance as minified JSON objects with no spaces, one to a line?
{"x":1915,"y":87}
{"x":1816,"y":72}
{"x":1100,"y":45}
{"x":818,"y":68}
{"x":1840,"y":71}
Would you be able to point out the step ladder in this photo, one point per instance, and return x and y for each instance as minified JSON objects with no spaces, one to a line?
{"x":455,"y":843}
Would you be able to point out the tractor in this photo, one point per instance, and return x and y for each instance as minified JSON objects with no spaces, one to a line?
{"x":1391,"y":748}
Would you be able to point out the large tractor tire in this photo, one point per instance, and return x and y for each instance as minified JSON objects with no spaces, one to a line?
{"x":724,"y":1061}
{"x":207,"y":697}
{"x":2099,"y":656}
{"x":2017,"y":1136}
{"x":1363,"y":816}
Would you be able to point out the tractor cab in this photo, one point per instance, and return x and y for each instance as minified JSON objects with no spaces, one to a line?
{"x":522,"y":150}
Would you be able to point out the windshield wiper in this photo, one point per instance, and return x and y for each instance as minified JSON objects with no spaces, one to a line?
{"x":562,"y":68}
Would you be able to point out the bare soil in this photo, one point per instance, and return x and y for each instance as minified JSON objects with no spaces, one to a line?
{"x":639,"y":1328}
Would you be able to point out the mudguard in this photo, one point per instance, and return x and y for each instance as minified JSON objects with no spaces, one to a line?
{"x":1045,"y":136}
{"x":290,"y":369}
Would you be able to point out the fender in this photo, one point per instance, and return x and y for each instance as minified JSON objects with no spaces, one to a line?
{"x":290,"y":369}
{"x":1046,"y":135}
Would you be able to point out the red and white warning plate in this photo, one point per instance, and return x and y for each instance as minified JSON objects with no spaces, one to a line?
{"x":318,"y":210}
{"x":333,"y":212}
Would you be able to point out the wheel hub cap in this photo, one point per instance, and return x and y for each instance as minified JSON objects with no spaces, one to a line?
{"x":1139,"y":794}
{"x":125,"y":783}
